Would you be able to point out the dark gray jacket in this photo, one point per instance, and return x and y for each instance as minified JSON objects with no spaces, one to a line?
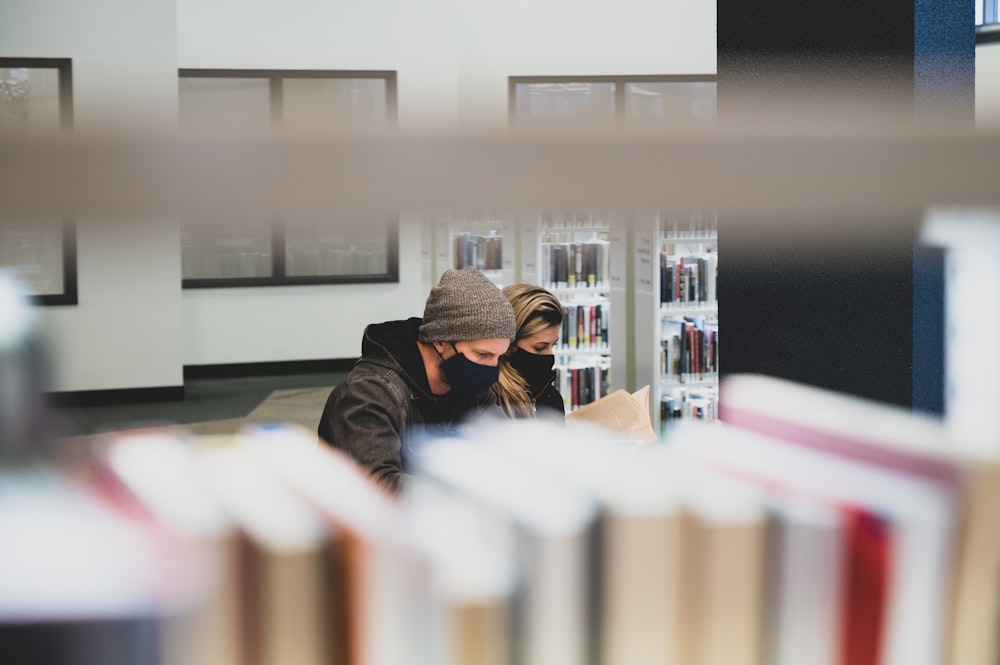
{"x":384,"y":406}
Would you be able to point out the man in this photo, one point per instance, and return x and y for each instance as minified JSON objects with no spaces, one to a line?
{"x":421,"y":375}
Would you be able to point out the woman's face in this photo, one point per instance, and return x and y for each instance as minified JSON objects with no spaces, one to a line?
{"x":541,"y":342}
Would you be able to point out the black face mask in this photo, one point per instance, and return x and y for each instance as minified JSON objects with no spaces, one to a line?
{"x":534,"y":367}
{"x":466,"y":377}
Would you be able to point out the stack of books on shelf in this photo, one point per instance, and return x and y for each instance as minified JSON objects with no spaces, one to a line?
{"x":688,"y":317}
{"x":805,"y":527}
{"x":583,"y":353}
{"x":581,"y":382}
{"x":687,"y":281}
{"x":574,"y":264}
{"x":584,"y":327}
{"x":482,"y":252}
{"x":689,"y":349}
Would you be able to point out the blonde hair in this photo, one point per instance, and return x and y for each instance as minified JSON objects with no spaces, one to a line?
{"x":535,"y":310}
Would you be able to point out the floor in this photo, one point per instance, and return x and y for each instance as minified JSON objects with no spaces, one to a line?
{"x":212,"y":405}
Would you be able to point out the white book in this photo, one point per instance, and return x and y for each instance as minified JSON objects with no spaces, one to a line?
{"x":81,"y":576}
{"x":805,"y":581}
{"x":547,"y":529}
{"x":467,"y":615}
{"x":159,"y":467}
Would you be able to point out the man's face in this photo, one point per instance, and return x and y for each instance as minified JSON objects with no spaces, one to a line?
{"x":483,"y":351}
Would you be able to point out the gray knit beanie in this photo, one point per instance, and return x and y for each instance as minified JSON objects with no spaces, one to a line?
{"x":465,"y":305}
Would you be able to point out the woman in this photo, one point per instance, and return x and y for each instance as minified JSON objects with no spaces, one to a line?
{"x":527,"y":384}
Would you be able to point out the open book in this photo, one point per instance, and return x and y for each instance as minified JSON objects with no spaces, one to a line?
{"x":624,"y":413}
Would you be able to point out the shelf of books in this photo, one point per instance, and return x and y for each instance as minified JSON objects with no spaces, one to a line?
{"x":569,"y":254}
{"x":806,"y":527}
{"x":676,"y":259}
{"x":484,"y":242}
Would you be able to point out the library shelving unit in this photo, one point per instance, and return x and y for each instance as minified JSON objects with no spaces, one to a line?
{"x":676,"y":267}
{"x":484,"y":242}
{"x":570,"y":255}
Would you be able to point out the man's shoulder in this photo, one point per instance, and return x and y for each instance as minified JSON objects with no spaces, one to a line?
{"x":367,"y":370}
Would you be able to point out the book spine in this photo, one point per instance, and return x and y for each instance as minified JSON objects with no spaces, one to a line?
{"x":547,"y":271}
{"x":592,"y":264}
{"x":562,"y":265}
{"x":605,"y":322}
{"x":574,"y":390}
{"x":458,"y":250}
{"x":572,"y":326}
{"x":592,"y":318}
{"x":581,"y":276}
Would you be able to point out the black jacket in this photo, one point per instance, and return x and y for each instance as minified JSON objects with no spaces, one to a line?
{"x":384,"y":406}
{"x":549,"y":402}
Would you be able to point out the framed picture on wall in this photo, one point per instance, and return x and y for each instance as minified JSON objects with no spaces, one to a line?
{"x":36,"y":101}
{"x":602,"y":102}
{"x":277,"y":250}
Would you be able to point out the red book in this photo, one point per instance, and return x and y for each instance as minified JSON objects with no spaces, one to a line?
{"x":866,"y":581}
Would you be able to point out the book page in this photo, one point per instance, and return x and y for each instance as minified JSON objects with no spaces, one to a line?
{"x":622,"y":412}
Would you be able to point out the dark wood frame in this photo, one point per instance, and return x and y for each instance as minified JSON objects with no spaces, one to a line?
{"x":64,"y":67}
{"x":278,"y":277}
{"x":619,"y":81}
{"x":988,"y":33}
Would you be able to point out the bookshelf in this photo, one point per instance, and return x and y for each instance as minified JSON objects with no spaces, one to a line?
{"x":570,"y":254}
{"x":484,"y":242}
{"x":677,"y":314}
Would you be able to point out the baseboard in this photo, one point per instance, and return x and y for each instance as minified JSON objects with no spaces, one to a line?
{"x":116,"y":397}
{"x":122,"y":396}
{"x":240,"y":370}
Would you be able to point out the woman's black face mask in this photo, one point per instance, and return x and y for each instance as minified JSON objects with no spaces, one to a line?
{"x":534,"y":367}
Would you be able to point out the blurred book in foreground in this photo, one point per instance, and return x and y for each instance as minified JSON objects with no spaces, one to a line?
{"x":905,"y":444}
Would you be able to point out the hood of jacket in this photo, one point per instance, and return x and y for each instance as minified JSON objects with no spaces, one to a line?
{"x":393,"y":344}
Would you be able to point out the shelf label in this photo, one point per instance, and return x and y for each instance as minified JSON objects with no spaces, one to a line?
{"x":644,"y":262}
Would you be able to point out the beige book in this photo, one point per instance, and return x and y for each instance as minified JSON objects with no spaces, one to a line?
{"x":289,"y":585}
{"x":724,"y":541}
{"x":622,"y":413}
{"x":365,"y":518}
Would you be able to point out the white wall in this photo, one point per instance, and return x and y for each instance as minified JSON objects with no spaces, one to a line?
{"x":452,"y":61}
{"x":988,"y":86}
{"x":568,"y":37}
{"x":299,"y":322}
{"x":125,"y":332}
{"x":134,"y":326}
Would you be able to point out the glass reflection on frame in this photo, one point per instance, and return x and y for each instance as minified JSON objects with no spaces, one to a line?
{"x":331,"y":247}
{"x":36,"y":100}
{"x":41,"y":250}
